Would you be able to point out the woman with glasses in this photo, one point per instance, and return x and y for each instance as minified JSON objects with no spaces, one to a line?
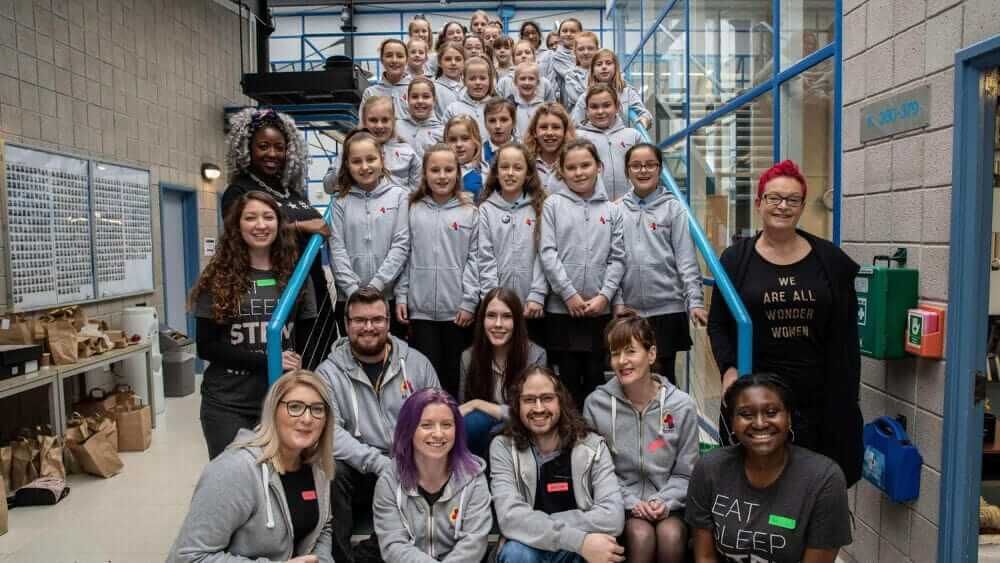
{"x":662,"y":278}
{"x":799,"y":292}
{"x":267,"y":497}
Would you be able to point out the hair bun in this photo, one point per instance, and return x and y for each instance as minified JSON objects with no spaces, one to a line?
{"x":627,"y":313}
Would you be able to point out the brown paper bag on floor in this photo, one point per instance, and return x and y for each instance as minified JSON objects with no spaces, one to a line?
{"x":5,"y":461}
{"x":135,"y":428}
{"x":50,"y":457}
{"x":98,"y":454}
{"x":3,"y":508}
{"x":76,"y":431}
{"x":22,"y":468}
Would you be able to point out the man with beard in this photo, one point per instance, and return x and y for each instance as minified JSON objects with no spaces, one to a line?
{"x":370,"y":374}
{"x":555,"y":491}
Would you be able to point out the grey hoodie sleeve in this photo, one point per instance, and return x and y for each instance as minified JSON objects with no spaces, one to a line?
{"x":517,"y":519}
{"x":539,"y":285}
{"x":607,"y":514}
{"x":674,"y":491}
{"x":470,"y":275}
{"x":346,"y":447}
{"x":685,"y":257}
{"x":555,"y":272}
{"x":399,"y":247}
{"x":616,"y":257}
{"x":420,"y":371}
{"x":476,"y":524}
{"x":416,"y":171}
{"x":224,"y":500}
{"x":402,"y":288}
{"x":330,"y":179}
{"x":347,"y":280}
{"x":324,"y":543}
{"x":489,"y":272}
{"x":590,"y":414}
{"x":635,"y":102}
{"x":394,"y":539}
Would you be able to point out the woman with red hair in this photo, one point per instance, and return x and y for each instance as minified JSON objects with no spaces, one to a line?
{"x":799,"y":291}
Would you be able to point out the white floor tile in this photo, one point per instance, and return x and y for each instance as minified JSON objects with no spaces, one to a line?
{"x":131,"y":517}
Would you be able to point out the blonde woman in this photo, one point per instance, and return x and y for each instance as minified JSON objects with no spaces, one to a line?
{"x":267,"y":497}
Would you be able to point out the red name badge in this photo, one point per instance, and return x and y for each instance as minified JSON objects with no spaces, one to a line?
{"x":308,"y":495}
{"x":557,"y":487}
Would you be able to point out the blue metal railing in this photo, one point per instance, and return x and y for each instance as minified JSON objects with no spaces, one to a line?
{"x":744,"y":326}
{"x":287,"y":301}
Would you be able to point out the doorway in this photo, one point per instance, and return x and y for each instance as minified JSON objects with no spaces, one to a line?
{"x":973,"y":157}
{"x":179,"y":247}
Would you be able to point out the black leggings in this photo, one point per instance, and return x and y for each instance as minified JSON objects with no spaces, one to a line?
{"x":220,"y":427}
{"x":442,"y":342}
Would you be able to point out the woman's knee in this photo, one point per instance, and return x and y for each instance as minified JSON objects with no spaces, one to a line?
{"x":672,"y":532}
{"x":517,"y":552}
{"x":638,"y":531}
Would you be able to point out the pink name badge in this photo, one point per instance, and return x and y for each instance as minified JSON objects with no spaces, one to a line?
{"x":656,"y":444}
{"x":557,"y":487}
{"x":308,"y":495}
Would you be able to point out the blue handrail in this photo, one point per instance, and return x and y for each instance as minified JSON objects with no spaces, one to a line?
{"x":744,"y":326}
{"x":287,"y":301}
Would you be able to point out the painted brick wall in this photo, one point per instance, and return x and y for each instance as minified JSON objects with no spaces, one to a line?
{"x":137,"y":82}
{"x":897,"y":193}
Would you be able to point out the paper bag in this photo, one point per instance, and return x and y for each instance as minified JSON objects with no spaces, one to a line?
{"x":135,"y":429}
{"x":3,"y":508}
{"x":97,"y":401}
{"x":22,"y":468}
{"x":76,"y":430}
{"x":61,"y":338}
{"x":5,"y":461}
{"x":50,"y":457}
{"x":706,"y":389}
{"x":98,"y":453}
{"x":15,"y":329}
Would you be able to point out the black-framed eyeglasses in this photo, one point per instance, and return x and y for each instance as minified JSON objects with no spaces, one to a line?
{"x":774,"y":200}
{"x":377,"y":322}
{"x":296,"y":409}
{"x":640,"y":166}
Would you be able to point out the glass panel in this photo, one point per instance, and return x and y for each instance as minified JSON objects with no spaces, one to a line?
{"x":633,"y":27}
{"x":675,"y":162}
{"x":807,"y":138}
{"x":731,"y":50}
{"x":667,"y":101}
{"x":727,"y":158}
{"x":651,"y":10}
{"x":806,"y":27}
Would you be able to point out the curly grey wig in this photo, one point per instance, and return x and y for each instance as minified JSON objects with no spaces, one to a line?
{"x":244,"y":124}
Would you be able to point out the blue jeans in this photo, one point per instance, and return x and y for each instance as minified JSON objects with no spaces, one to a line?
{"x":478,"y":431}
{"x":517,"y":552}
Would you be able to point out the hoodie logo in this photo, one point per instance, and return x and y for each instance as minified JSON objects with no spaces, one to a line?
{"x":406,"y":388}
{"x":382,"y":210}
{"x":652,"y":226}
{"x":454,"y":226}
{"x":603,"y":220}
{"x":528,"y":221}
{"x":668,"y":421}
{"x":453,"y":516}
{"x":397,"y":153}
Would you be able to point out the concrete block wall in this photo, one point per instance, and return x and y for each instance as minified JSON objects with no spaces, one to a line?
{"x":897,"y":193}
{"x":136,"y":82}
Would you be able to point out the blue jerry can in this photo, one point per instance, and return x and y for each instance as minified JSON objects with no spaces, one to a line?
{"x":892,"y":463}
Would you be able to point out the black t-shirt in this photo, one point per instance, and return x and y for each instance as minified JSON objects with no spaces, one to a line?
{"x":237,"y":378}
{"x":303,"y":505}
{"x":790,"y":307}
{"x":430,"y":497}
{"x":373,"y":371}
{"x":805,"y":507}
{"x":554,"y":492}
{"x":294,"y":206}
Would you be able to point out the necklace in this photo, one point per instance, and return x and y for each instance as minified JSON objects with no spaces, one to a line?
{"x":268,"y":189}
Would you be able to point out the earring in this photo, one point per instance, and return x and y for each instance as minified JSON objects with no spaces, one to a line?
{"x":732,"y":439}
{"x":791,"y":431}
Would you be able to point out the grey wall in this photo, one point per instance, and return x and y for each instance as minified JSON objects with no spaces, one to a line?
{"x":897,"y":193}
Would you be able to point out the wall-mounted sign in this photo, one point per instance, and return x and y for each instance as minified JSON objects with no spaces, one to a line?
{"x":209,"y":245}
{"x":897,"y":113}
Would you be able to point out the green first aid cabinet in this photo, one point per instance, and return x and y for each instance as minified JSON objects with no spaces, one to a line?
{"x":884,"y":295}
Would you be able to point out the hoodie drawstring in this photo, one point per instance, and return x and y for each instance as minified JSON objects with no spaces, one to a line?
{"x":402,"y":515}
{"x":461,"y":510}
{"x":265,"y":482}
{"x":614,"y":431}
{"x":354,"y":406}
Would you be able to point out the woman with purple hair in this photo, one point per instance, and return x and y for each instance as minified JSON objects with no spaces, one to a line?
{"x":434,"y":504}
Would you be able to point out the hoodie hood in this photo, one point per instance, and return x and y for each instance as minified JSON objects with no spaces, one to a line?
{"x":496,"y":200}
{"x":615,"y":127}
{"x":659,"y":197}
{"x":600,"y":194}
{"x":383,"y":186}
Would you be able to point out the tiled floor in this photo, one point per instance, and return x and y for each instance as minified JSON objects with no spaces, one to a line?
{"x":131,"y":517}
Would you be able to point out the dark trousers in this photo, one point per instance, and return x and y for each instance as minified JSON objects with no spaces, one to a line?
{"x":442,"y":342}
{"x":352,"y":496}
{"x":220,"y":427}
{"x":580,"y":372}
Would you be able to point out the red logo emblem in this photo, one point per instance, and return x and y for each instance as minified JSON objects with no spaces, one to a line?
{"x":382,"y":210}
{"x":668,"y":420}
{"x":652,"y":226}
{"x":454,"y":515}
{"x":603,"y":220}
{"x":528,"y":221}
{"x":454,"y":226}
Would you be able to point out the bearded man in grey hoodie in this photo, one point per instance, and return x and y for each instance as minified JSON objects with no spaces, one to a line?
{"x":370,"y":374}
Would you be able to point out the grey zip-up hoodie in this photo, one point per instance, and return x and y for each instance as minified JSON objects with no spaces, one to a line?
{"x":662,"y":274}
{"x":508,"y":255}
{"x":514,"y":478}
{"x":536,"y":357}
{"x":574,"y":86}
{"x":446,"y":92}
{"x":366,"y":419}
{"x":562,"y":62}
{"x":402,"y":163}
{"x":611,"y":145}
{"x":583,"y":246}
{"x":525,"y":110}
{"x":421,"y":135}
{"x":239,"y":513}
{"x":506,"y":87}
{"x":548,"y":175}
{"x":654,"y":450}
{"x":395,"y":91}
{"x":475,"y":109}
{"x":441,"y":275}
{"x":454,"y":529}
{"x":628,"y":98}
{"x":370,"y":238}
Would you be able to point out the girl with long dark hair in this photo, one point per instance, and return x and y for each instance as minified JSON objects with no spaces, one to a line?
{"x":500,"y":349}
{"x":232,"y":302}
